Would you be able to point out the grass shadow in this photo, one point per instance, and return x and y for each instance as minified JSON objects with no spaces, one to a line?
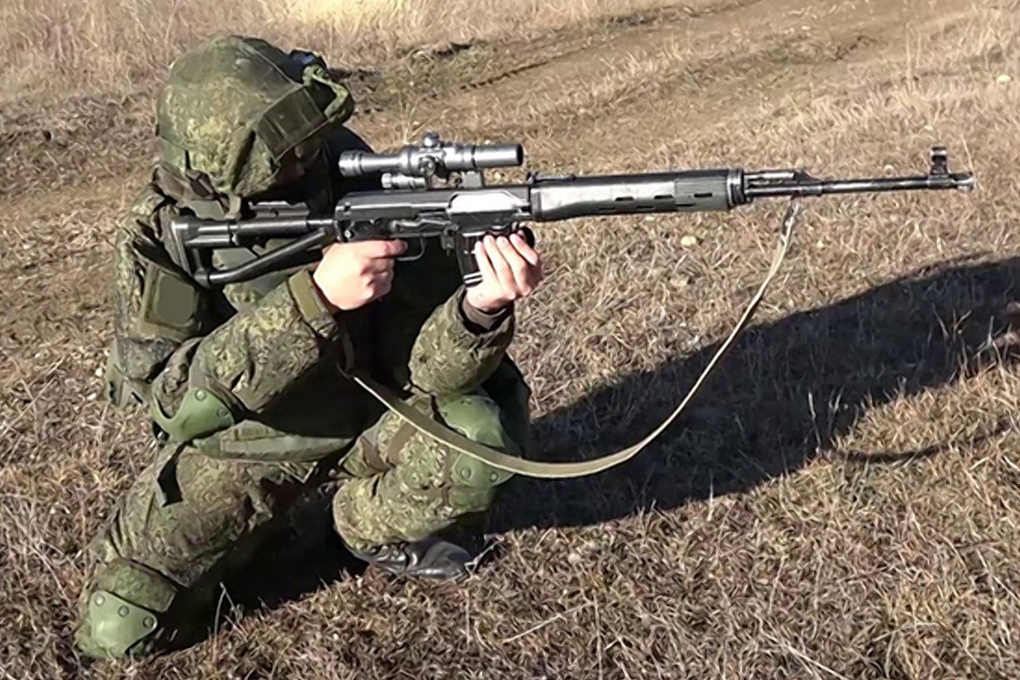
{"x":788,"y":389}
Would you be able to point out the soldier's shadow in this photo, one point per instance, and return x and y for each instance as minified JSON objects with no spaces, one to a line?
{"x":788,"y":389}
{"x":296,"y":559}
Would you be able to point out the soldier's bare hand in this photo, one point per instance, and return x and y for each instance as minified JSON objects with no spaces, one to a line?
{"x":511,"y":270}
{"x":351,"y":275}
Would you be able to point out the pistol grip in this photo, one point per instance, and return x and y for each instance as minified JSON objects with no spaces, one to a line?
{"x":465,"y":247}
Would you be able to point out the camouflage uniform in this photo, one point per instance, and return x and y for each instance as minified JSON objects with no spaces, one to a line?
{"x":251,"y":382}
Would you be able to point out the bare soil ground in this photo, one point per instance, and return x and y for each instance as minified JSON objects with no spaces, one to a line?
{"x":843,"y":500}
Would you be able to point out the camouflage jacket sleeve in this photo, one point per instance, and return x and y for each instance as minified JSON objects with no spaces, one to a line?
{"x":173,"y":335}
{"x":457,"y":348}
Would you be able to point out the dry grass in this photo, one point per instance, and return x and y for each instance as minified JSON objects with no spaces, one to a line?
{"x":842,"y":503}
{"x":114,"y":46}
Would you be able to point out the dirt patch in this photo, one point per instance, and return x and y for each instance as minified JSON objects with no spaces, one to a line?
{"x":840,"y":504}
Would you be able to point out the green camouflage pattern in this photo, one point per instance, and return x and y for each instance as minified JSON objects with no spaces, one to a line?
{"x":447,"y":358}
{"x":237,"y":116}
{"x":406,"y":486}
{"x":190,"y":517}
{"x":272,"y":352}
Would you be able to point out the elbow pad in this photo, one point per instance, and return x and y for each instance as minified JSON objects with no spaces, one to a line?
{"x":201,"y":414}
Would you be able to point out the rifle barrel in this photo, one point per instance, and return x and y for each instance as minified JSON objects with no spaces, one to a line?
{"x":760,"y":185}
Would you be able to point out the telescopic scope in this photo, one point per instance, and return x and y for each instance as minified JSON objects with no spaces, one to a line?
{"x":432,"y":156}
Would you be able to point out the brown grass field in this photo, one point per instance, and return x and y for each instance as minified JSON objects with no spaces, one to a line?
{"x":843,"y":500}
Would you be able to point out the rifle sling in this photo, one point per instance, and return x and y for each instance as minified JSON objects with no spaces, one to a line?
{"x":569,"y":470}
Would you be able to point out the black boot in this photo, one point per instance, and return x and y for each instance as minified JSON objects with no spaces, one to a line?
{"x":431,"y":558}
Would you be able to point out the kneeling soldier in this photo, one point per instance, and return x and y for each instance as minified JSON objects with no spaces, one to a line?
{"x":246,"y":385}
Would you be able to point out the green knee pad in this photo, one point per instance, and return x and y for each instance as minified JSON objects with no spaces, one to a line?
{"x":478,"y":418}
{"x":124,"y":612}
{"x":200,"y":414}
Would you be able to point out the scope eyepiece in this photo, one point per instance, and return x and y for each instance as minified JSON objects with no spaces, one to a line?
{"x":432,"y":156}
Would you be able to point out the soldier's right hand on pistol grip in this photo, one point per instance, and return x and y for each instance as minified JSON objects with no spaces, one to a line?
{"x":351,"y":275}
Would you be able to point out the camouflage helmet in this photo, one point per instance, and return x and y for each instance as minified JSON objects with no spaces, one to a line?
{"x":237,"y":116}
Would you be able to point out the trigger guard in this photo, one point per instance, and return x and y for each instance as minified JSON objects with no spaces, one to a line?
{"x":413,"y":256}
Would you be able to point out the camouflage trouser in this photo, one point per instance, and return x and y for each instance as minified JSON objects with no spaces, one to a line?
{"x":405,"y":486}
{"x":191,"y":516}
